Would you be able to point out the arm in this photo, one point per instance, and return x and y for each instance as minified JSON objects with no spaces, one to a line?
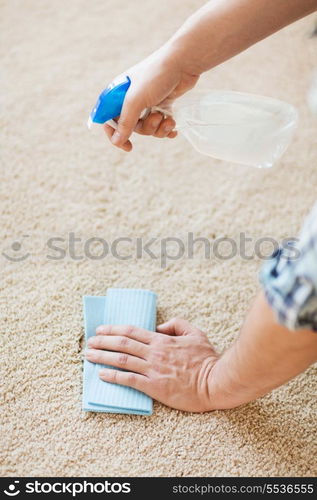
{"x":179,"y":367}
{"x":216,"y":32}
{"x":265,"y":356}
{"x":223,"y":28}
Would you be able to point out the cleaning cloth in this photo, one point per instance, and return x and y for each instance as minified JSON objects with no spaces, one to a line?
{"x":121,"y":306}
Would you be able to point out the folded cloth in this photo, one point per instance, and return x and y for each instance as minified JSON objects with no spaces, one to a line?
{"x":120,"y":307}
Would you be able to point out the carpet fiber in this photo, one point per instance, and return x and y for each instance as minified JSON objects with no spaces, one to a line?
{"x":60,"y":181}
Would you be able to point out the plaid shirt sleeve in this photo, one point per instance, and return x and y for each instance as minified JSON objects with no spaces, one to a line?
{"x":289,"y":279}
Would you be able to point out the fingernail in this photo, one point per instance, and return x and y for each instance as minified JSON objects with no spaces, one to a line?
{"x":115,"y":139}
{"x":100,"y":329}
{"x":89,"y":342}
{"x":88,"y":352}
{"x":104,"y":373}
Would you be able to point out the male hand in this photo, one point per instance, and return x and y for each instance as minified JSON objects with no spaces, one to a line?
{"x":172,"y":365}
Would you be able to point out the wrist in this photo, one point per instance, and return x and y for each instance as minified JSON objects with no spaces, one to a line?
{"x":219,"y":398}
{"x":180,"y":55}
{"x":225,"y":389}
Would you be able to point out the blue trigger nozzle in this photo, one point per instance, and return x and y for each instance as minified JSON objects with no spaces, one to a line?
{"x":110,"y":102}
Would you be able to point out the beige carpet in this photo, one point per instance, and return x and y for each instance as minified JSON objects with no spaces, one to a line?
{"x":58,"y":178}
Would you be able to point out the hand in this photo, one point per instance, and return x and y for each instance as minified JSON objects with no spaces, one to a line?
{"x":155,"y":81}
{"x":173,"y":365}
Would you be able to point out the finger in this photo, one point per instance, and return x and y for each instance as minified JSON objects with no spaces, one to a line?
{"x":119,"y":360}
{"x":150,"y":124}
{"x":110,"y":131}
{"x":134,"y":380}
{"x":165,"y":128}
{"x":118,"y":344}
{"x":172,"y":134}
{"x":130,"y":114}
{"x":177,"y":326}
{"x":132,"y":332}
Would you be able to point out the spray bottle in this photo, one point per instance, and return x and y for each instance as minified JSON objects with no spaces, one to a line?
{"x":232,"y":126}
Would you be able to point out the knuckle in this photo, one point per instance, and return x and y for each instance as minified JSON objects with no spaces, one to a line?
{"x":160,"y":357}
{"x":165,"y":340}
{"x":123,"y":359}
{"x":129,"y":329}
{"x":123,"y":341}
{"x":131,"y":379}
{"x":156,"y":368}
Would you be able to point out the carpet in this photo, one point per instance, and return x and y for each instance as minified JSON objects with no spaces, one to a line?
{"x":67,"y":200}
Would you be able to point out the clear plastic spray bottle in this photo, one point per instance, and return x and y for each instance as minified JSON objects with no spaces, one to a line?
{"x":232,"y":126}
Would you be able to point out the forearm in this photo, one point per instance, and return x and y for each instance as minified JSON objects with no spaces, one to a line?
{"x":223,"y":28}
{"x":265,"y":356}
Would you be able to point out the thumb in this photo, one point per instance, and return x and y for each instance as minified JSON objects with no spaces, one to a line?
{"x":130,"y":113}
{"x":177,"y":326}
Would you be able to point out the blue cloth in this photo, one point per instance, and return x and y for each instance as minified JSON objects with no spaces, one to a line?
{"x":119,"y":307}
{"x":289,"y":279}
